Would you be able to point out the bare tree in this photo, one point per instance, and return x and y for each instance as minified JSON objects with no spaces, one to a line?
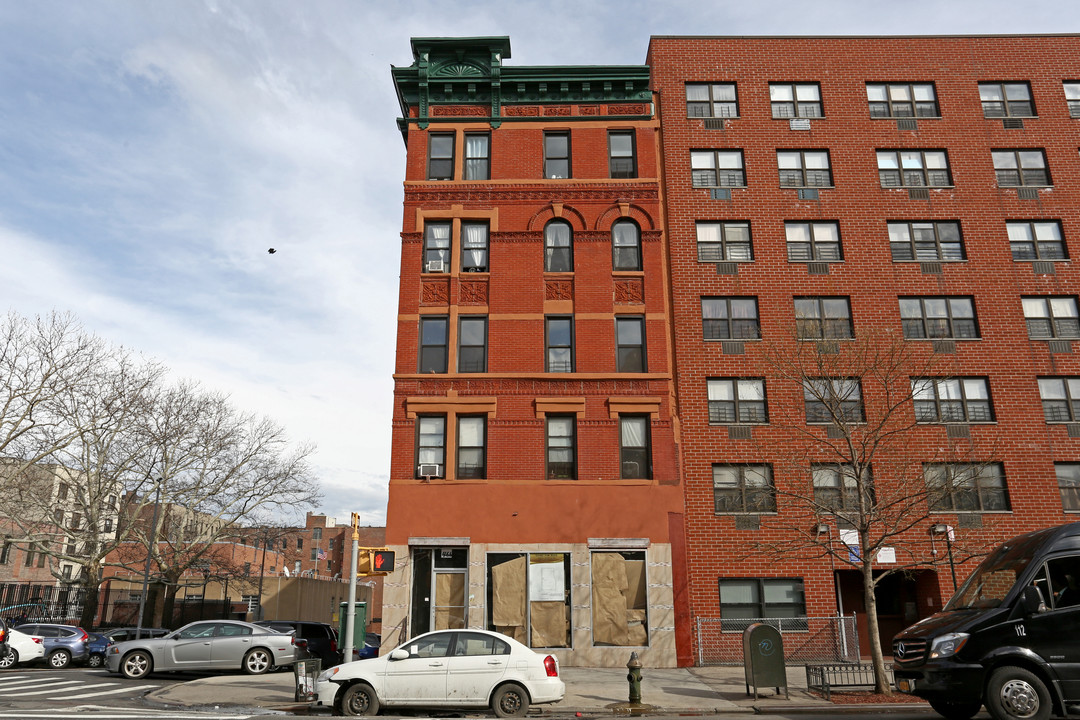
{"x":850,"y":446}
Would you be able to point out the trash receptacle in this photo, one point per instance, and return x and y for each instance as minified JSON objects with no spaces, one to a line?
{"x":763,"y":659}
{"x":306,"y":673}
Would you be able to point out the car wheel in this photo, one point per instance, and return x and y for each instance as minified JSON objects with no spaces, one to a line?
{"x":956,"y":710}
{"x":1014,"y":693}
{"x":257,"y":661}
{"x":510,"y":701}
{"x":359,"y":699}
{"x":59,"y":659}
{"x":10,"y":659}
{"x":95,"y":660}
{"x":136,"y":664}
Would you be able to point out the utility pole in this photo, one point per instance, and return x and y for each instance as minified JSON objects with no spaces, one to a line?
{"x":150,"y":547}
{"x":350,"y":607}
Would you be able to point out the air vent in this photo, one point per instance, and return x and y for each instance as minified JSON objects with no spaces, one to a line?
{"x":930,"y":268}
{"x":918,"y":193}
{"x":1073,"y":429}
{"x":835,"y":432}
{"x":808,"y":194}
{"x":435,"y":266}
{"x":958,"y":431}
{"x":1042,"y":267}
{"x":720,"y":193}
{"x":906,"y":124}
{"x":969,"y":521}
{"x":727,"y":268}
{"x":714,"y":123}
{"x":1012,"y":123}
{"x":945,"y":347}
{"x":733,"y":347}
{"x":828,"y":347}
{"x":799,"y":124}
{"x":747,"y":522}
{"x":1060,"y":346}
{"x":740,"y":432}
{"x":817,"y":268}
{"x":1027,"y":193}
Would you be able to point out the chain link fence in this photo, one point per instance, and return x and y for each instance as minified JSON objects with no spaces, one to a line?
{"x":806,"y":639}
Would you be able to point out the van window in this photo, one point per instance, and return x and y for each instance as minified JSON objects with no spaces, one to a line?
{"x":995,"y":577}
{"x":1064,"y":581}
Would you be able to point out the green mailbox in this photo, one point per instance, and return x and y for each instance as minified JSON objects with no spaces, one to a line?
{"x":359,"y":627}
{"x":763,"y":659}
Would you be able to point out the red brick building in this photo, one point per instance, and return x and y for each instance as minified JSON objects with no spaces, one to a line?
{"x":534,"y":483}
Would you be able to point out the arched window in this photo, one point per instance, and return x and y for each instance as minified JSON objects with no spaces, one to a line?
{"x":558,"y":247}
{"x":625,"y":246}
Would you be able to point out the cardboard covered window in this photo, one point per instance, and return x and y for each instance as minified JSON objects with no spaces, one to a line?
{"x":529,"y":597}
{"x":619,"y":599}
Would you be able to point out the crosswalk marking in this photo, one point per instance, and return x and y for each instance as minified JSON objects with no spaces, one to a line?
{"x":109,"y":692}
{"x":53,"y":687}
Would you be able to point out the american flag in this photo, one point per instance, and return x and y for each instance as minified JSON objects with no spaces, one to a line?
{"x":322,"y":554}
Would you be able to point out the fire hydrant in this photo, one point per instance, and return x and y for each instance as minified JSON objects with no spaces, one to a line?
{"x":634,"y":678}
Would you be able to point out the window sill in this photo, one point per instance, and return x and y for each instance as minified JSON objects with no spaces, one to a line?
{"x":894,"y":118}
{"x":717,"y":340}
{"x":917,"y":187}
{"x":1019,"y":187}
{"x":955,"y":339}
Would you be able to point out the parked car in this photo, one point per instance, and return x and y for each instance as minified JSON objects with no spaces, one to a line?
{"x":122,"y":634}
{"x":22,"y":648}
{"x":64,"y":644}
{"x":96,"y":645}
{"x":445,"y":668}
{"x":322,"y":639}
{"x":372,"y":643}
{"x":204,"y":645}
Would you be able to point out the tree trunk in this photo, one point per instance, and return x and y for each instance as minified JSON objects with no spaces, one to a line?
{"x":881,"y":677}
{"x":90,"y":581}
{"x":169,"y":608}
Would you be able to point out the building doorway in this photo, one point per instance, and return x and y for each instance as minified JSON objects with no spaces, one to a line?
{"x":439,"y":598}
{"x":897,"y":603}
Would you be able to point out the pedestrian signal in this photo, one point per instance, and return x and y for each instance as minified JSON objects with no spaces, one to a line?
{"x":382,"y":562}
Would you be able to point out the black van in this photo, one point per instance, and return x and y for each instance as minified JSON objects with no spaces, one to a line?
{"x":1009,"y":638}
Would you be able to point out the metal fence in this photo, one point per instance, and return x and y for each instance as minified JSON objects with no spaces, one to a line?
{"x":806,"y":639}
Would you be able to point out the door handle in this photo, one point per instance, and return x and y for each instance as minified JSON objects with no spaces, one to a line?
{"x":494,"y":662}
{"x":435,"y":664}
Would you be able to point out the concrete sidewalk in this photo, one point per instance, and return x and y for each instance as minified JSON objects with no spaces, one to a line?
{"x":590,"y":691}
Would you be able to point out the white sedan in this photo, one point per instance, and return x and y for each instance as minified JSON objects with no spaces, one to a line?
{"x":445,"y":668}
{"x":22,"y":648}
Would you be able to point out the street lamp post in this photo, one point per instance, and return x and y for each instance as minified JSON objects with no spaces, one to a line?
{"x":350,"y":607}
{"x":262,"y":572}
{"x":947,"y":531}
{"x":150,"y":546}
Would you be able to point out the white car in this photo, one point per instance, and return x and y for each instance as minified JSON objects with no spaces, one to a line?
{"x":22,"y":648}
{"x":445,"y":668}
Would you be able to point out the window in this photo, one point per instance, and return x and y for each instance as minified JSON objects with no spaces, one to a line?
{"x":1060,"y":398}
{"x":781,"y":602}
{"x":1072,"y":98}
{"x":724,"y":241}
{"x":1036,"y":240}
{"x":630,"y":344}
{"x":62,"y":492}
{"x":620,"y":592}
{"x":634,"y":453}
{"x":314,"y":554}
{"x":823,"y":318}
{"x":1016,"y":168}
{"x":1051,"y":317}
{"x":1068,"y":477}
{"x":330,"y":543}
{"x":795,"y":100}
{"x":621,"y":158}
{"x":952,"y":400}
{"x":528,"y":598}
{"x":729,"y":319}
{"x":472,"y":344}
{"x":804,"y":168}
{"x":316,"y":534}
{"x":833,"y":400}
{"x":477,"y":156}
{"x":430,"y":445}
{"x":5,"y":552}
{"x":926,"y":241}
{"x":299,"y":543}
{"x":900,"y":100}
{"x":913,"y":168}
{"x":1006,"y":100}
{"x":559,"y":332}
{"x":474,"y":247}
{"x":813,"y":242}
{"x":471,"y":441}
{"x":252,"y":602}
{"x":437,"y":247}
{"x":440,"y":156}
{"x":938,"y":317}
{"x":557,"y":155}
{"x":743,"y":489}
{"x":836,"y":487}
{"x":433,"y":341}
{"x":717,"y":168}
{"x":108,"y":525}
{"x":959,"y":487}
{"x":558,"y":247}
{"x":28,"y":561}
{"x":711,"y":100}
{"x":736,"y":401}
{"x":625,"y":246}
{"x":561,"y":447}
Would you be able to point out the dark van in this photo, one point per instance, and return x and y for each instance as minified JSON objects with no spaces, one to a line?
{"x":1009,"y":638}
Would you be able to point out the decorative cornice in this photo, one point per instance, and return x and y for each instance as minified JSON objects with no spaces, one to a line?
{"x":428,"y":193}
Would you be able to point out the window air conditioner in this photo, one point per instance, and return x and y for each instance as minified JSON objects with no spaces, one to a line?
{"x":434,"y":266}
{"x":429,"y":470}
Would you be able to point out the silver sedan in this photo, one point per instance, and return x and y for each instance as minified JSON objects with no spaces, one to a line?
{"x":205,"y":645}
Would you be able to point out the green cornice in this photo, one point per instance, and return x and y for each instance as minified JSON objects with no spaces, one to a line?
{"x":469,"y":71}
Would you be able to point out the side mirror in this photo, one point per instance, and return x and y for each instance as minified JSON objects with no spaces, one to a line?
{"x":399,"y":654}
{"x":1031,"y":600}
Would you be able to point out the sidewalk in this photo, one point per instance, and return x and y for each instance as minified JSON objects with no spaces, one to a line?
{"x":590,"y":691}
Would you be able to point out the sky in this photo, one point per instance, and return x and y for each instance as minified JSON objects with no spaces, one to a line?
{"x":152,"y":151}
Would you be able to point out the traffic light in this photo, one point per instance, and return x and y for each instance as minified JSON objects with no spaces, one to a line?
{"x":363,"y":561}
{"x":382,"y":562}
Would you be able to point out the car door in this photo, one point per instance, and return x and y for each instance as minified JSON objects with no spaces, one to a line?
{"x":419,"y":679}
{"x":191,"y":646}
{"x":1053,"y":632}
{"x":231,"y":642}
{"x":476,"y":663}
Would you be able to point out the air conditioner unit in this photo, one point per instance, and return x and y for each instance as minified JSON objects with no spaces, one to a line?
{"x":435,"y":266}
{"x":429,"y":470}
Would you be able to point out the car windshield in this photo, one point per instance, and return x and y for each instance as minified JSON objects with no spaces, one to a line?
{"x":991,"y":582}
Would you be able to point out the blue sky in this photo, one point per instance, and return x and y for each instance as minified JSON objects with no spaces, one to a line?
{"x":152,"y":151}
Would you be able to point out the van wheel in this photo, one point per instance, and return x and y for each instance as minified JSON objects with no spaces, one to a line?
{"x":510,"y":701}
{"x":956,"y":710}
{"x":1014,"y":693}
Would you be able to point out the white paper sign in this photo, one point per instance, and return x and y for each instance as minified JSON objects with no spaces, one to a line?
{"x":886,"y":555}
{"x":547,"y":582}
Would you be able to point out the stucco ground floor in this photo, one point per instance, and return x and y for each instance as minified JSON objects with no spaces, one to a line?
{"x":589,"y":604}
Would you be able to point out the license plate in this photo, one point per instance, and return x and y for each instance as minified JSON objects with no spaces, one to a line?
{"x":905,"y":685}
